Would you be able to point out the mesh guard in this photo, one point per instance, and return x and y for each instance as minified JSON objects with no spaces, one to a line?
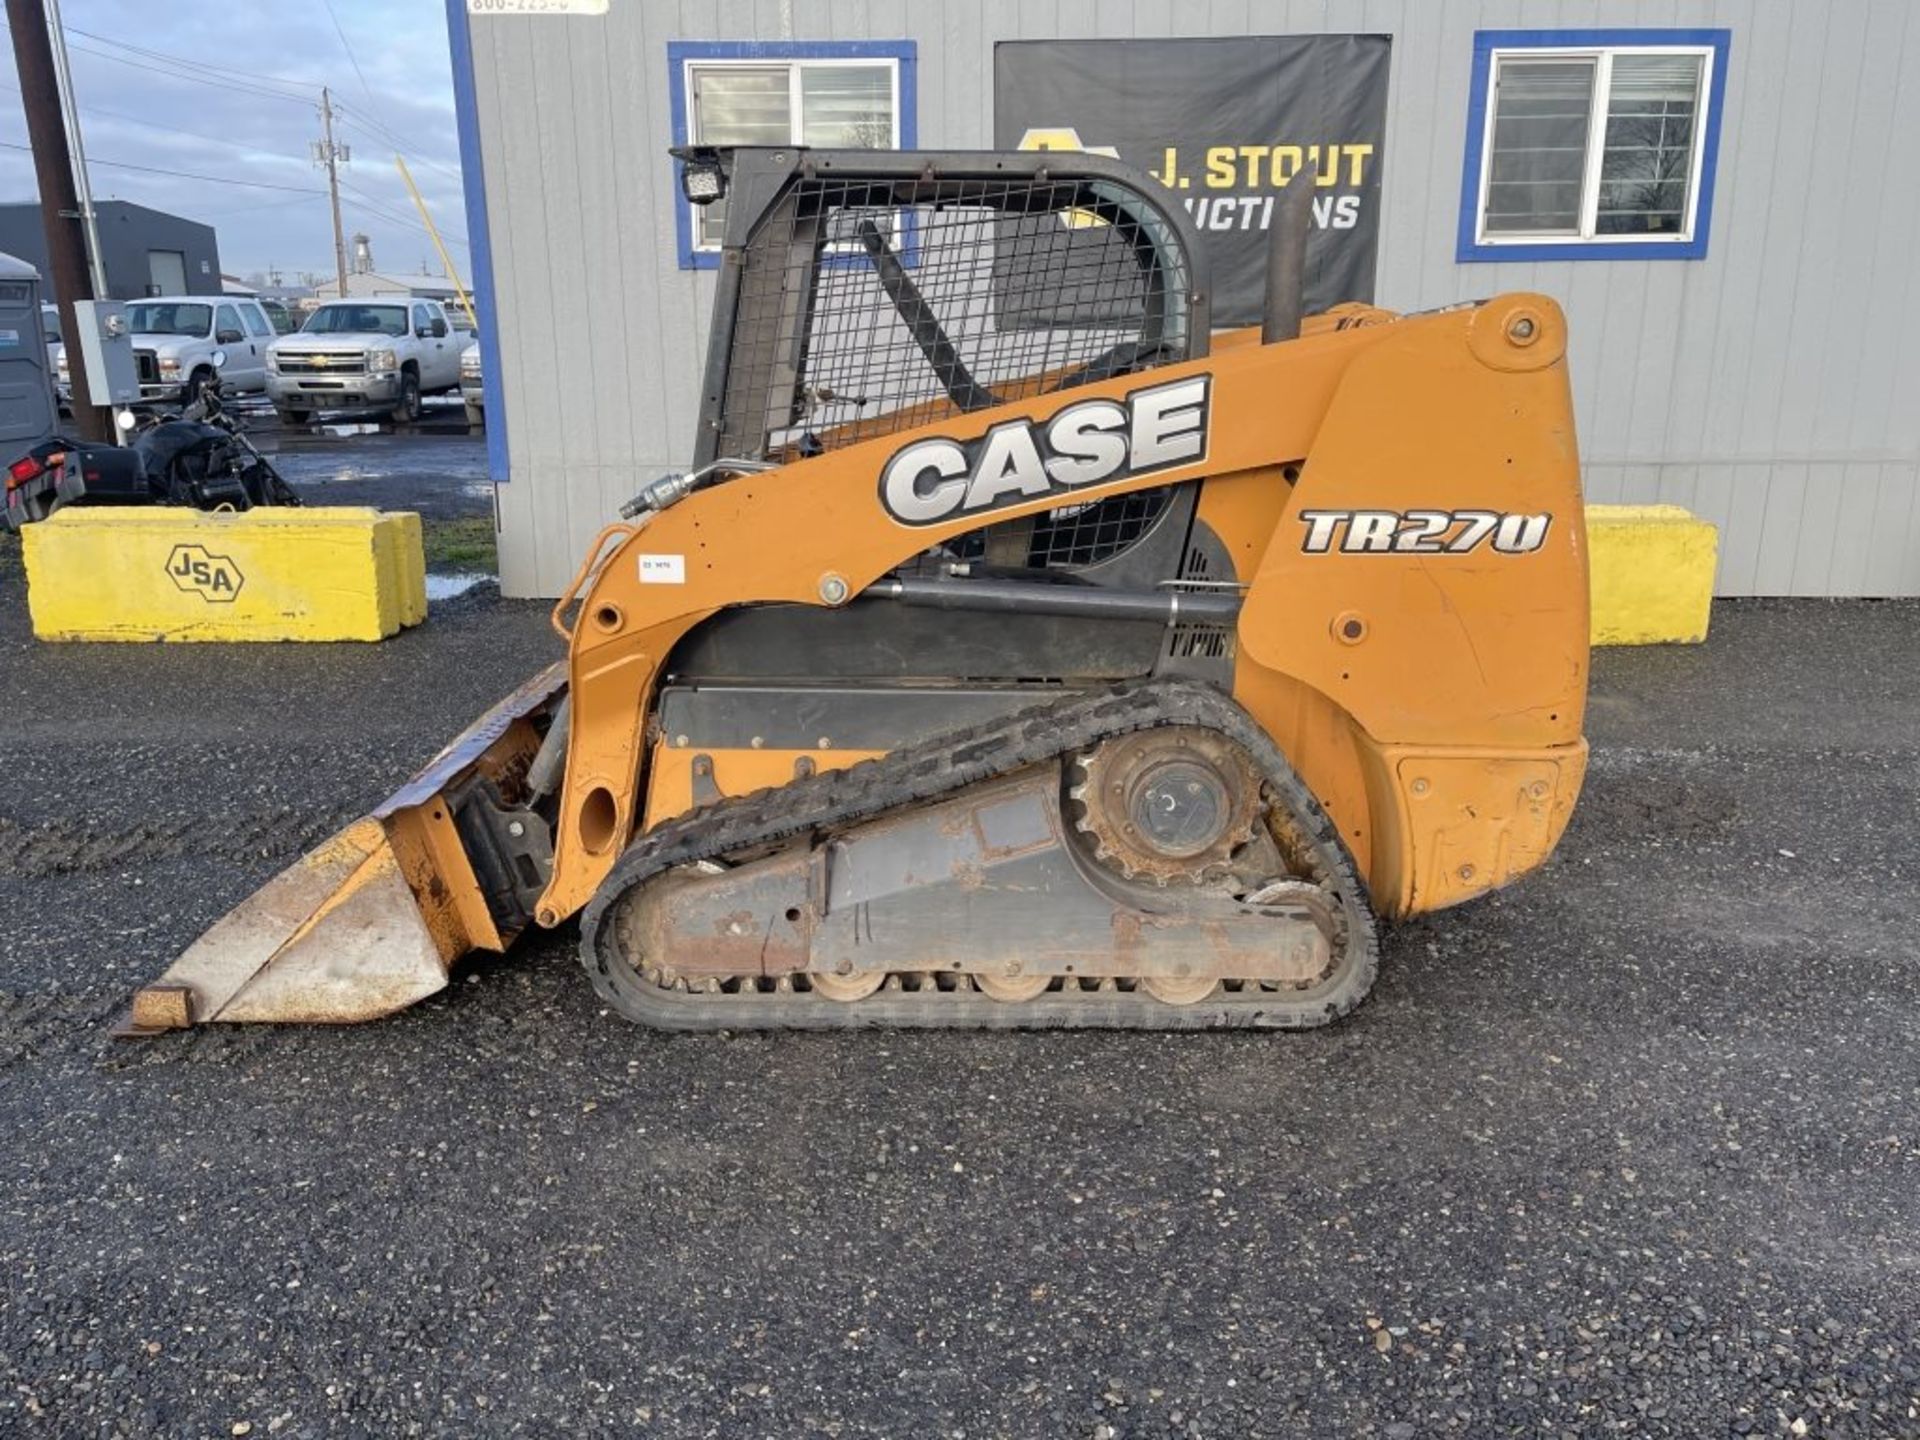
{"x":869,"y":305}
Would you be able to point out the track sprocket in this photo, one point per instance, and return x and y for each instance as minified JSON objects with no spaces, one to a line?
{"x":1169,"y":805}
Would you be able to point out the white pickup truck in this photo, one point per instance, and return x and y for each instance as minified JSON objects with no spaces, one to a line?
{"x":473,"y":388}
{"x":175,"y":338}
{"x":370,"y":354}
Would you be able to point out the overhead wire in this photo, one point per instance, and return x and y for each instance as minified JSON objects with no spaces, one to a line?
{"x":352,"y":59}
{"x":180,"y":174}
{"x":367,"y":203}
{"x":371,"y":199}
{"x":203,"y":72}
{"x":175,"y":129}
{"x":366,"y":119}
{"x":264,"y":205}
{"x":301,"y":88}
{"x":172,"y":74}
{"x":372,"y":128}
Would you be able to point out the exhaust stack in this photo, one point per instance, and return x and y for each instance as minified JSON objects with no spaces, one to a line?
{"x":1286,"y":293}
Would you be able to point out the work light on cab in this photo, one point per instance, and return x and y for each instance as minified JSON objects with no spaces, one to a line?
{"x":703,"y":179}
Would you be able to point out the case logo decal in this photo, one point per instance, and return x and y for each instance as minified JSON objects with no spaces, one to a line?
{"x":1089,"y":443}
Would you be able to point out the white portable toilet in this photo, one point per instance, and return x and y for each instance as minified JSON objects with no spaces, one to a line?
{"x":28,"y":412}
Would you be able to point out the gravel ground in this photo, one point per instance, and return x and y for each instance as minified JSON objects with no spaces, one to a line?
{"x":1633,"y":1148}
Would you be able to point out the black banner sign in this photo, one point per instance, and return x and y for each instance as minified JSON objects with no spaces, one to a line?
{"x":1226,"y":124}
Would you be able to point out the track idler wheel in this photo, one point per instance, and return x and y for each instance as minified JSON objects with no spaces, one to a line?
{"x":848,"y":988}
{"x":1169,"y":991}
{"x":1012,"y":989}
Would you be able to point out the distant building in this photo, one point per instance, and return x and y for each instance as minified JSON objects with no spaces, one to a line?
{"x":362,"y":284}
{"x":145,"y":252}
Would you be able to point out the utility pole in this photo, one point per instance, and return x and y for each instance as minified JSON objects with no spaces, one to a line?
{"x":326,"y":153}
{"x":61,"y":218}
{"x":77,"y":146}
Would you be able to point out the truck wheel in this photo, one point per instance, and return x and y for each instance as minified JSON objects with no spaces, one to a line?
{"x":407,"y":409}
{"x":476,"y":415}
{"x":202,"y":376}
{"x":293,"y":417}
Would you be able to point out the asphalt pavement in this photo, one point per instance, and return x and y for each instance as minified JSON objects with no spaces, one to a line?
{"x":438,"y":467}
{"x":1632,"y":1148}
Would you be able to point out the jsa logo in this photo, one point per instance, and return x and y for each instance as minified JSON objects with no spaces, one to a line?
{"x":1421,"y":532}
{"x":1086,"y":444}
{"x":195,"y":569}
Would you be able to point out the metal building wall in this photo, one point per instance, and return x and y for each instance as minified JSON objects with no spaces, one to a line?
{"x":1773,"y":386}
{"x":127,"y":232}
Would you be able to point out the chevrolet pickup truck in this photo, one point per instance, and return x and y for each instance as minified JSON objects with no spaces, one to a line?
{"x":374,"y":354}
{"x":472,"y":388}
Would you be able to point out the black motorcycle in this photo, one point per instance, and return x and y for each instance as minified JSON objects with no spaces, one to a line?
{"x":199,"y":457}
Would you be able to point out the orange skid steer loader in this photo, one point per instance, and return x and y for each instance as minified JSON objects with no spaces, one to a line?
{"x":1017,"y":652}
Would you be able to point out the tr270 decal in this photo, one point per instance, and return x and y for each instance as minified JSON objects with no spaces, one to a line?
{"x":1421,"y":532}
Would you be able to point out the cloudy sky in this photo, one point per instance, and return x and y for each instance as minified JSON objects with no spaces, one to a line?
{"x":229,"y":91}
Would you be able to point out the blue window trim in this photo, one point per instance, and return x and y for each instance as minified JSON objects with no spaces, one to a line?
{"x":1469,"y":248}
{"x":679,"y":52}
{"x":473,"y":181}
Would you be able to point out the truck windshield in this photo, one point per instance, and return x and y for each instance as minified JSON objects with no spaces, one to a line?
{"x":169,"y":319}
{"x":357,"y":320}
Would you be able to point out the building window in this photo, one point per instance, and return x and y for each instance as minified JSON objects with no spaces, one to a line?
{"x":1587,"y":145}
{"x":853,"y":95}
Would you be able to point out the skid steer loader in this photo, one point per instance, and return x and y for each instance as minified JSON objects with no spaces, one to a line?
{"x":1016,"y":652}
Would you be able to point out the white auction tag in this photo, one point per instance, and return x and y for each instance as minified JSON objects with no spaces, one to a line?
{"x":663,"y":569}
{"x":536,"y":7}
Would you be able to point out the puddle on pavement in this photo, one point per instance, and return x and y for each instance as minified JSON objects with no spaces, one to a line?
{"x":447,"y":587}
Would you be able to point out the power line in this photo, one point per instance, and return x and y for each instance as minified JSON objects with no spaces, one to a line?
{"x":373,"y":208}
{"x":174,"y":129}
{"x":251,"y":77}
{"x":181,"y":174}
{"x":263,"y":205}
{"x":202,"y":72}
{"x":247,"y":83}
{"x":213,"y":81}
{"x":373,"y":128}
{"x":372,"y":201}
{"x":352,"y":59}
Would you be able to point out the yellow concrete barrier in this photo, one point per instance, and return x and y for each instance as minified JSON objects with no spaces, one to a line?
{"x":276,"y":573}
{"x":1652,"y":574}
{"x":348,"y":573}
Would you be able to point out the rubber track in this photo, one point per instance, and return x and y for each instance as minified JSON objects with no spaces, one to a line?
{"x":923,"y":772}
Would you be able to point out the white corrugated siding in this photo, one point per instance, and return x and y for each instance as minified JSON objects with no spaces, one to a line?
{"x":1773,"y":386}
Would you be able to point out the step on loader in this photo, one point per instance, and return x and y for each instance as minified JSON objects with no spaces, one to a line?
{"x":1017,"y":651}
